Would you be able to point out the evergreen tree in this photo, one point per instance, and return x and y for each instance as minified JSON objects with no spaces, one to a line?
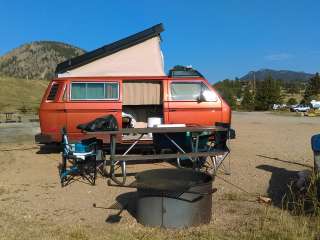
{"x":248,"y":99}
{"x":227,"y":95}
{"x":237,"y":88}
{"x":228,"y":90}
{"x":313,"y":88}
{"x":292,"y":101}
{"x":293,"y":88}
{"x":268,"y":92}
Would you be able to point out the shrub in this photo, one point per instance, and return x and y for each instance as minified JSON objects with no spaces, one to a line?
{"x":292,"y":101}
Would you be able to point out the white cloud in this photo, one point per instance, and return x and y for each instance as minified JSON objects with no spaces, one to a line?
{"x":278,"y":57}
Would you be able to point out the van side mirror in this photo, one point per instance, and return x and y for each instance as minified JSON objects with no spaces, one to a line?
{"x":201,"y":98}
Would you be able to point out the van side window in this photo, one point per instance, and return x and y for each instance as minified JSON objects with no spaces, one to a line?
{"x":191,"y":91}
{"x":185,"y":91}
{"x":53,"y":92}
{"x":94,"y":91}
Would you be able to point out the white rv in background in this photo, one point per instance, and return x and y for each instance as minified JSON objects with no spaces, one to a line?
{"x":315,"y":104}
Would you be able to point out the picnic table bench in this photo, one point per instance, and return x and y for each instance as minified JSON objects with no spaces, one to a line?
{"x":117,"y":161}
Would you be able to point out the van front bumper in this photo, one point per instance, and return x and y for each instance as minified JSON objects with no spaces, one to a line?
{"x":43,"y":138}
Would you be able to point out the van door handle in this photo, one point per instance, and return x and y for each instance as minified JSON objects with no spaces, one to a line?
{"x":172,"y":110}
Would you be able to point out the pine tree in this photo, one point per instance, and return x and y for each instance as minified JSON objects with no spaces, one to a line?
{"x":228,"y":96}
{"x":268,"y":93}
{"x":248,"y":99}
{"x":313,"y":88}
{"x":226,"y":89}
{"x":292,"y":101}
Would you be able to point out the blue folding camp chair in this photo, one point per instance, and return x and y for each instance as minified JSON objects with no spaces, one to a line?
{"x":79,"y":159}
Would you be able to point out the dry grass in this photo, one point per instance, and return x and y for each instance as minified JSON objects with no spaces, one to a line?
{"x":266,"y":223}
{"x":287,"y":96}
{"x":304,"y":201}
{"x":16,"y":93}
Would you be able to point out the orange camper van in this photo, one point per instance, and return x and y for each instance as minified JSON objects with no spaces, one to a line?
{"x":87,"y":88}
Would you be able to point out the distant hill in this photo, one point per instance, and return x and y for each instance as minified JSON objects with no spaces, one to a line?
{"x":16,"y":93}
{"x":36,"y":60}
{"x":284,"y":75}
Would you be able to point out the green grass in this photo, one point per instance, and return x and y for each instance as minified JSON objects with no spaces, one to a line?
{"x":18,"y":93}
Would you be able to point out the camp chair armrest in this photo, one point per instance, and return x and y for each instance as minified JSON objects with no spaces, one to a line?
{"x":91,"y":153}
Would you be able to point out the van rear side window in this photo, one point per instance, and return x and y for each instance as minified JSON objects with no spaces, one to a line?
{"x":95,"y":91}
{"x":53,"y":92}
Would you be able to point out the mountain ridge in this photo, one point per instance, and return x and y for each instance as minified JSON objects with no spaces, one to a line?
{"x":36,"y":60}
{"x":284,"y":75}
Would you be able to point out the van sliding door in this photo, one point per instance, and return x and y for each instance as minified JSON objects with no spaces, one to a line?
{"x":89,"y":100}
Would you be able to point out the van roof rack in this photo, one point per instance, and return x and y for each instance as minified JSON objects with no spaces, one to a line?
{"x":179,"y":71}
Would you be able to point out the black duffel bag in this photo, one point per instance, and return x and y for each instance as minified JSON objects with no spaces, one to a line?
{"x":105,"y":123}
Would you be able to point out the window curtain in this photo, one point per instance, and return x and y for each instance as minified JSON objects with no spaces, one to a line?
{"x":141,"y":93}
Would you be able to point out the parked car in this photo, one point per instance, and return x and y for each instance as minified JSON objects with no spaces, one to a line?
{"x":279,"y":106}
{"x":300,"y":108}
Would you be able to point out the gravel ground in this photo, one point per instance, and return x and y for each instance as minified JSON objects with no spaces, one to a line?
{"x":18,"y":132}
{"x":266,"y":154}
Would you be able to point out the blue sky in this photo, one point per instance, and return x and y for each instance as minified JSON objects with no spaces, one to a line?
{"x":221,"y":38}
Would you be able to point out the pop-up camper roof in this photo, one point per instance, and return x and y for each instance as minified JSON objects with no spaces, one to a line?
{"x":137,"y":55}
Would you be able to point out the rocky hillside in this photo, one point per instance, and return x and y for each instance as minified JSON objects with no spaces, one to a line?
{"x":36,"y":60}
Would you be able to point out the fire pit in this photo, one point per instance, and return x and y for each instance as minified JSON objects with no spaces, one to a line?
{"x":174,"y":198}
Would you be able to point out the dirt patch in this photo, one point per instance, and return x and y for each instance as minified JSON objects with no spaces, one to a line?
{"x":267,"y":153}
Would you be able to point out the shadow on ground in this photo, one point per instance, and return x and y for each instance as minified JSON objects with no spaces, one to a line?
{"x":126,"y":201}
{"x":285,"y":161}
{"x":278,"y":183}
{"x":49,"y":149}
